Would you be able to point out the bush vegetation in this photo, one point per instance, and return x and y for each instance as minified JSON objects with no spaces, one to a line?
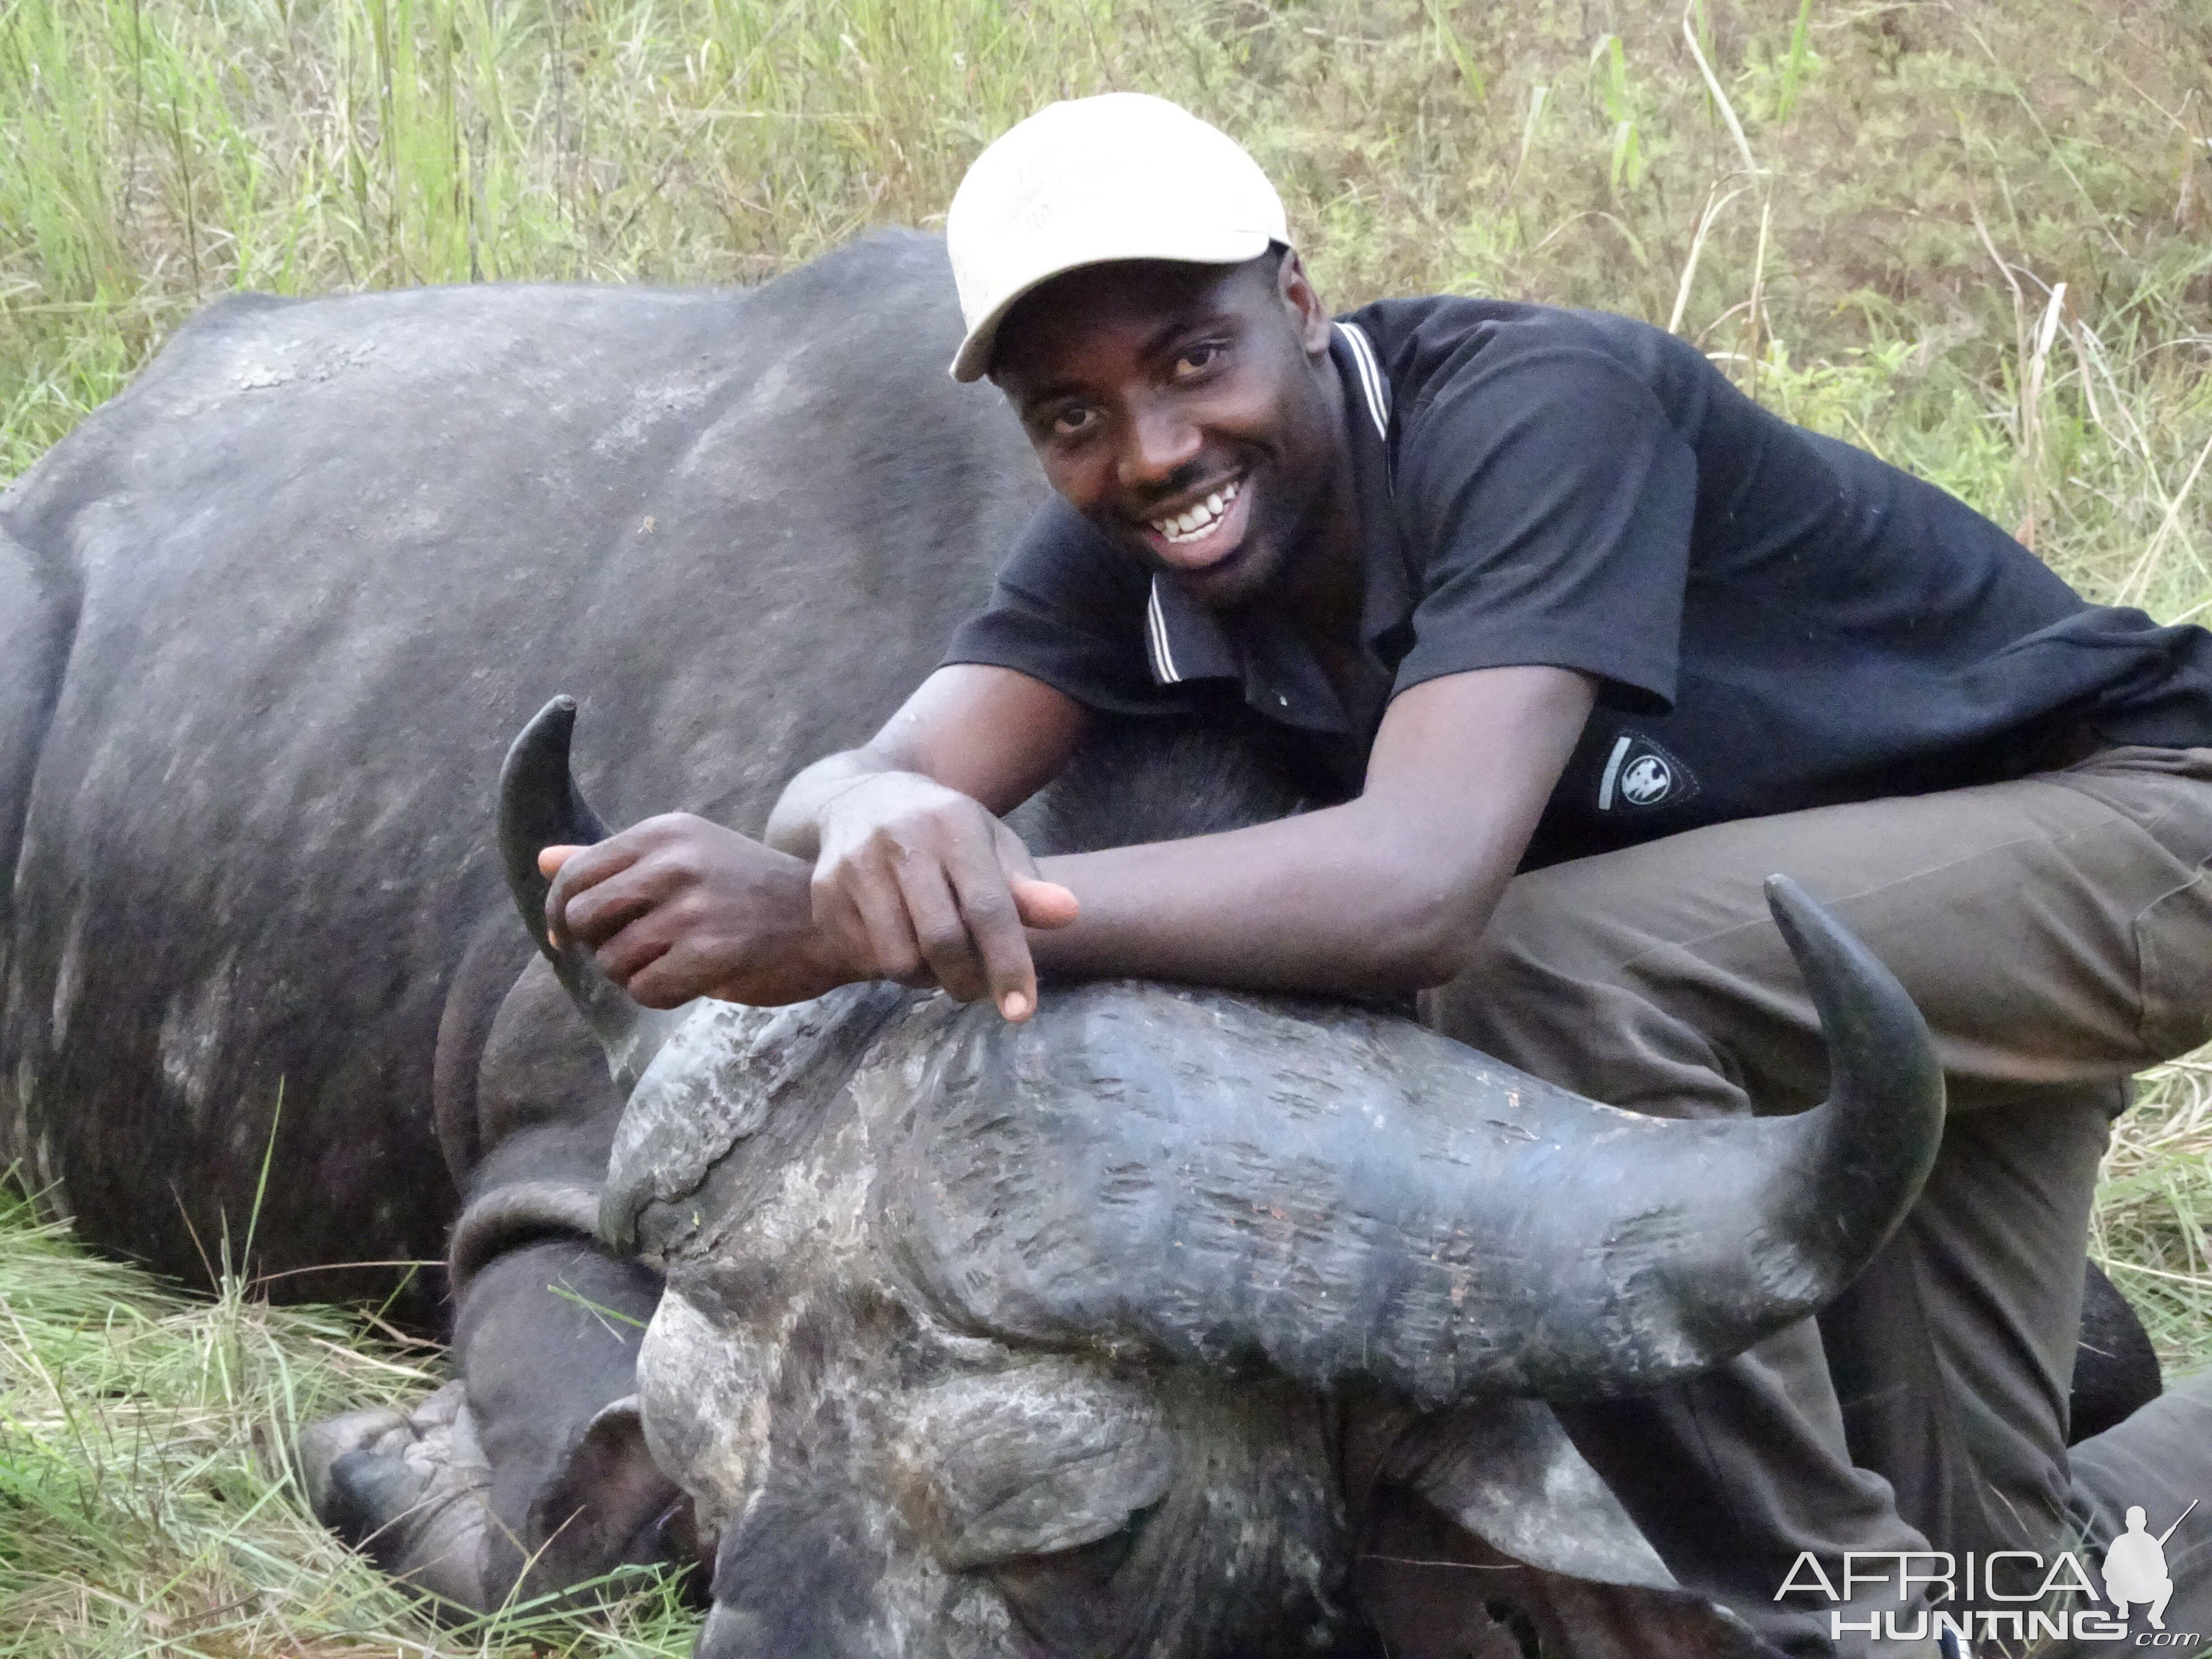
{"x":1971,"y":236}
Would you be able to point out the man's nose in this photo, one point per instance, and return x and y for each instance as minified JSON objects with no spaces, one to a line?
{"x":1162,"y":441}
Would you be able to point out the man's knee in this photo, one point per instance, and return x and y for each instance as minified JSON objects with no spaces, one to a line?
{"x":1532,"y":981}
{"x":1578,"y":992}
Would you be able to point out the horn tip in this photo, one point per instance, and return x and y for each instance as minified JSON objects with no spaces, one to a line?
{"x":537,"y":807}
{"x":1795,"y":912}
{"x":544,"y":741}
{"x":558,"y":716}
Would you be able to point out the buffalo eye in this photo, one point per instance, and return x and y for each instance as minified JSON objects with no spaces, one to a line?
{"x":1062,"y":1596}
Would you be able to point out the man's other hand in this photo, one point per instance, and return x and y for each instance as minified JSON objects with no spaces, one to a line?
{"x":676,"y":908}
{"x":924,"y":886}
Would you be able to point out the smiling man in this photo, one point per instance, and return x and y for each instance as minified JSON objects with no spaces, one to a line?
{"x":1575,"y":644}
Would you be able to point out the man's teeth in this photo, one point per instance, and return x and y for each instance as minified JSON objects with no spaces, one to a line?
{"x":1200,"y":519}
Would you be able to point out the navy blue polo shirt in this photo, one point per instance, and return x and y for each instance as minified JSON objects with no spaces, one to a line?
{"x":1777,"y":620}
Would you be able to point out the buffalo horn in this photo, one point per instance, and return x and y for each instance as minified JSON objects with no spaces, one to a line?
{"x":1349,"y":1196}
{"x":540,"y":806}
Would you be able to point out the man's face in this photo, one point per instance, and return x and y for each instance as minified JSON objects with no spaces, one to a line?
{"x":1189,"y":411}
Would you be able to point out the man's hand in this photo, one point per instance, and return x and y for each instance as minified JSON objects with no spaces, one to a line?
{"x":676,"y":908}
{"x":927,"y":888}
{"x":916,"y":883}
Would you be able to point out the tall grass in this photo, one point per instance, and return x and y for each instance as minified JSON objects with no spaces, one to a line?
{"x":1975,"y":238}
{"x":1904,"y":167}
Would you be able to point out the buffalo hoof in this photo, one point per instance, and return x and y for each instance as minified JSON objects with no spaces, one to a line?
{"x":408,"y":1491}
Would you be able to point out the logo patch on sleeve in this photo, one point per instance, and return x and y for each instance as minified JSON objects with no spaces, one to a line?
{"x":1640,"y":774}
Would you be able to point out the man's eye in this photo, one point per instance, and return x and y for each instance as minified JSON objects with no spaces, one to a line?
{"x":1068,"y":423}
{"x":1197,"y":359}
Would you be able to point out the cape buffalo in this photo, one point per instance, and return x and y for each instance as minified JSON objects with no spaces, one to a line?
{"x":266,"y":622}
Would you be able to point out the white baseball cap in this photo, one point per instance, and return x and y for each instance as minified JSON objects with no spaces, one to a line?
{"x":1120,"y":176}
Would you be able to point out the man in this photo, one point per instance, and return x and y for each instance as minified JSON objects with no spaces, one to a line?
{"x":1581,"y":645}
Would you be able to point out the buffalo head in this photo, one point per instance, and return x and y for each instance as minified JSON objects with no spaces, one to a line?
{"x":1065,"y":1338}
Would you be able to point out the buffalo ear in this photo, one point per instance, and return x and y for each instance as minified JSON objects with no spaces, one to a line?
{"x":608,"y":1505}
{"x":1505,"y":1469}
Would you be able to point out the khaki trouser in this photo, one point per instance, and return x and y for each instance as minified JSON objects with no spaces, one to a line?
{"x":2057,"y":932}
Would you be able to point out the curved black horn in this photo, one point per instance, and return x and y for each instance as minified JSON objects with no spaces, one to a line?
{"x":540,"y":806}
{"x":1350,"y":1195}
{"x":1855,"y":1163}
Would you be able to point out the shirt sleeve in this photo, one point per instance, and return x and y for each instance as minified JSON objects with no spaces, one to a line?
{"x":1548,"y":502}
{"x":1068,"y":609}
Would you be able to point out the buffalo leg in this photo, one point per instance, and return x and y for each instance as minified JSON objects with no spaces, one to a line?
{"x":2116,"y":1370}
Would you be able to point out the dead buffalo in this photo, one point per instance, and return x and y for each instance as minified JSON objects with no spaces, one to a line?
{"x":266,"y":624}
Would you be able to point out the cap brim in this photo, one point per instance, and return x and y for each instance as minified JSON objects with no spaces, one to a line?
{"x":973,"y":360}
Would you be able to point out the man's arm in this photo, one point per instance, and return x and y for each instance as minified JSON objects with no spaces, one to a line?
{"x":1386,"y":893}
{"x":914,"y":873}
{"x":990,"y":734}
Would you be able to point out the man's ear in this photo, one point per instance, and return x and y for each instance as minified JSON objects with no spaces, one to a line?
{"x":1296,"y":290}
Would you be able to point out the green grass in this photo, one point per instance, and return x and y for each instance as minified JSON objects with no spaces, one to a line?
{"x":144,"y":1503}
{"x":1974,"y":237}
{"x":2153,"y":1226}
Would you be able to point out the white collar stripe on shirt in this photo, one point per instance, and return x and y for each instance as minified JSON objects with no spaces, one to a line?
{"x":1371,"y":376}
{"x":1155,"y":640}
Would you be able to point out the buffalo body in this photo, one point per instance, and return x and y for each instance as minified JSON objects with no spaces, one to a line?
{"x":268,"y":621}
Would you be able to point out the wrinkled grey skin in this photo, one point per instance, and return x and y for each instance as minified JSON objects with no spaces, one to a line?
{"x":894,"y":1457}
{"x":268,"y":620}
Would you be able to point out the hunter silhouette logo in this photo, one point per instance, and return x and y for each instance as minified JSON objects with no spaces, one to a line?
{"x":2135,"y":1569}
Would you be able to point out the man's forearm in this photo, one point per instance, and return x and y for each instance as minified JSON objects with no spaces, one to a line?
{"x":1350,"y":899}
{"x":1385,"y":894}
{"x":992,"y":734}
{"x":1339,"y":900}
